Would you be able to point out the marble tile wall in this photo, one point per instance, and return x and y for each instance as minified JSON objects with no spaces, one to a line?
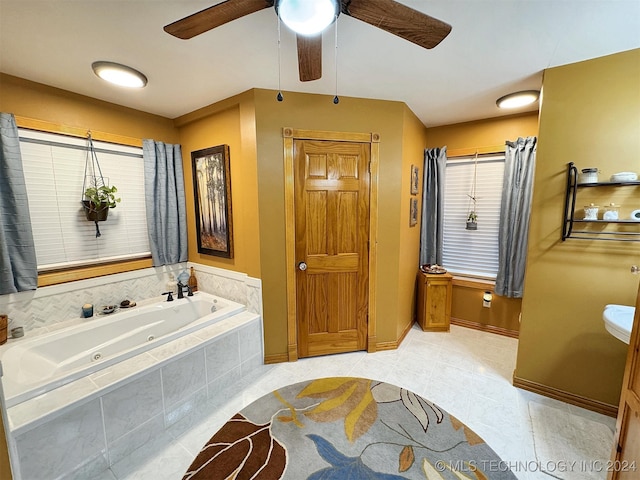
{"x":52,"y":305}
{"x":95,"y":434}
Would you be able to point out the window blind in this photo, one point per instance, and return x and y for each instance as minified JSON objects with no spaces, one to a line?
{"x":472,"y":252}
{"x":54,"y":169}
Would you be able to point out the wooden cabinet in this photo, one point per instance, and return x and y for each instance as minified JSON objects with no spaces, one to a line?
{"x":625,"y":459}
{"x":434,"y":301}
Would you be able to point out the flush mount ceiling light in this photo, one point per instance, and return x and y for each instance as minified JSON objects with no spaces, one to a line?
{"x":305,"y":17}
{"x":118,"y":74}
{"x":518,"y":99}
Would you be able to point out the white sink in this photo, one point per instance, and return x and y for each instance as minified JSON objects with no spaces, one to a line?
{"x":618,"y":320}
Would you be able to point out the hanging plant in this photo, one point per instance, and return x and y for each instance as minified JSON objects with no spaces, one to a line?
{"x":472,"y":216}
{"x":472,"y":221}
{"x":98,"y":196}
{"x":98,"y":202}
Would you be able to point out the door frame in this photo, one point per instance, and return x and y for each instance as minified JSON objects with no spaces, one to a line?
{"x":373,"y":139}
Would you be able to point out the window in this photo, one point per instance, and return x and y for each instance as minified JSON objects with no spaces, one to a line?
{"x":54,"y":169}
{"x":472,"y":252}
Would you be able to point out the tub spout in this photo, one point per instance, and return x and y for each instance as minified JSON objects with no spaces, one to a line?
{"x":181,"y":288}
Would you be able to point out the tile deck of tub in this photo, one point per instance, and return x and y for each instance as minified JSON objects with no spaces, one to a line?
{"x":162,"y":384}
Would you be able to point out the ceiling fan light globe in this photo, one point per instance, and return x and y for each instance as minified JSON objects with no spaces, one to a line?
{"x":306,"y":17}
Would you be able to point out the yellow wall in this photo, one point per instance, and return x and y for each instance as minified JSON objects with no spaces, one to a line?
{"x":229,"y":122}
{"x":464,"y":139}
{"x":34,"y":100}
{"x":317,"y":112}
{"x":413,"y":144}
{"x":590,"y":115}
{"x":480,"y":134}
{"x":466,"y":305}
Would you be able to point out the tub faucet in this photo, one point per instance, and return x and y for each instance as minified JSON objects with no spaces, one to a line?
{"x":181,"y":288}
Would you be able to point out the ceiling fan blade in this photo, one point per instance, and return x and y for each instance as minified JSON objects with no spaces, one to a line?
{"x":396,"y":18}
{"x":213,"y":17}
{"x":309,"y":57}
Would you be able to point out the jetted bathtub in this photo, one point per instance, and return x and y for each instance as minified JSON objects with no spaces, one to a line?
{"x":34,"y":366}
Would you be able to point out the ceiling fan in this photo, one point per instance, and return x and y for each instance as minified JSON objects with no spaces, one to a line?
{"x":389,"y":15}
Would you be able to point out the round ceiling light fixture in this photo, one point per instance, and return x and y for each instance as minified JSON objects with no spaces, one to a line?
{"x":518,"y":99}
{"x":305,"y":17}
{"x":118,"y":74}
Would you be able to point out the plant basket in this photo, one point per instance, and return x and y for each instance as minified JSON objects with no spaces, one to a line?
{"x":94,"y":214}
{"x":472,"y":226}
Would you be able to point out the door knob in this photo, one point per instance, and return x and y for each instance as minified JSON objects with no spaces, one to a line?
{"x":302,"y":266}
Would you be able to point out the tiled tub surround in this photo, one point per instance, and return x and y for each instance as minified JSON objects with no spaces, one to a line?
{"x":46,"y":307}
{"x":80,"y":429}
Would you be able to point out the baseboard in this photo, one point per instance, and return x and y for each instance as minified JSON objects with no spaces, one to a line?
{"x":276,"y":358}
{"x":380,"y":346}
{"x":485,"y":328}
{"x":283,"y":357}
{"x":572,"y":398}
{"x":393,"y":345}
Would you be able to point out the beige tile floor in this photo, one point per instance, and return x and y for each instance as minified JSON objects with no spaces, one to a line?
{"x":466,"y":372}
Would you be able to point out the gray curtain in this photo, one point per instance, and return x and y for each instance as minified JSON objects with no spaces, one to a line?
{"x":165,"y":202}
{"x":515,"y":209}
{"x":18,"y":265}
{"x":431,"y":231}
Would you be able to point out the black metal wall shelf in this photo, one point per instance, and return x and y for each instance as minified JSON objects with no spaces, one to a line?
{"x":570,"y":210}
{"x":606,"y":184}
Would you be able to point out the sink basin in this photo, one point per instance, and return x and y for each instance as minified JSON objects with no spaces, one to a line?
{"x":618,"y":320}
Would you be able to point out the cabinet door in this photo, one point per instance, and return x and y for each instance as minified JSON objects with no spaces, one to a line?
{"x":438,"y":305}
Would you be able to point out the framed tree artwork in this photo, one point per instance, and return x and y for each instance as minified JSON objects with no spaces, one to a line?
{"x":212,"y":192}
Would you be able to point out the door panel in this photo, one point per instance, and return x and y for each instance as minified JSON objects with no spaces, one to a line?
{"x":625,"y":459}
{"x":332,"y":233}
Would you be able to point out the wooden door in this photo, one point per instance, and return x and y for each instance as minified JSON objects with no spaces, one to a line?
{"x":331,"y":245}
{"x":625,"y":460}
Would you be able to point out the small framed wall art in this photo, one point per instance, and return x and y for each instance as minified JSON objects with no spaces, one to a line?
{"x":212,"y":192}
{"x":415,"y":179}
{"x":413,"y":212}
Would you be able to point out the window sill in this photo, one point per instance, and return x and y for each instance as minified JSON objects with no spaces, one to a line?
{"x":473,"y":282}
{"x":71,"y":275}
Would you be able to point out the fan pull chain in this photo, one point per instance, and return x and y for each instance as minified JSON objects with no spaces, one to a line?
{"x":336,"y":100}
{"x":279,"y":97}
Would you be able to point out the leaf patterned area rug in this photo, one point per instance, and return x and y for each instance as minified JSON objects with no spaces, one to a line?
{"x":342,"y":428}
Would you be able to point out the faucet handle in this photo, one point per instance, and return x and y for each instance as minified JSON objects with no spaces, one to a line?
{"x":190,"y":291}
{"x":169,"y":296}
